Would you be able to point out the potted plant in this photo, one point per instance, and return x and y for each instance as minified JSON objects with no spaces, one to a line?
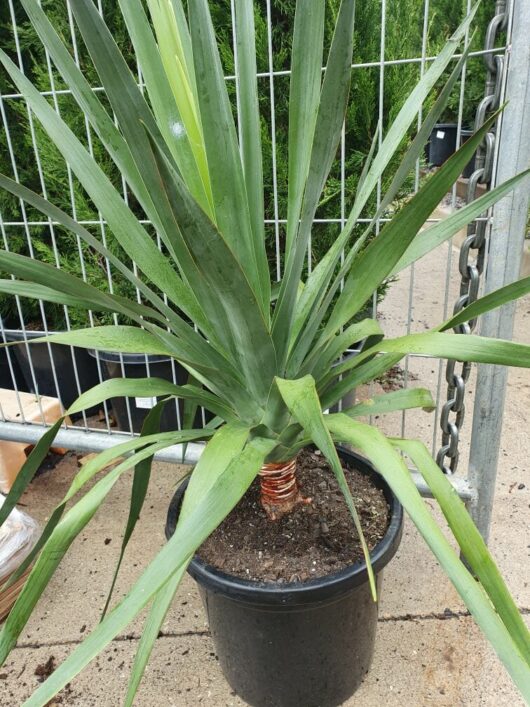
{"x":265,"y":371}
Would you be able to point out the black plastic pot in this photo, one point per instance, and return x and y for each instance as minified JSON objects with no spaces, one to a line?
{"x":470,"y":166}
{"x":6,"y":378}
{"x":296,"y":644}
{"x":442,"y":143}
{"x":63,"y":360}
{"x":136,"y":366}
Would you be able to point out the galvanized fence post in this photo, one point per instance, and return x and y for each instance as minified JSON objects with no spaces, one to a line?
{"x":503,"y":266}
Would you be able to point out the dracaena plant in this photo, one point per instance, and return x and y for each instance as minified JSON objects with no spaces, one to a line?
{"x":260,"y":358}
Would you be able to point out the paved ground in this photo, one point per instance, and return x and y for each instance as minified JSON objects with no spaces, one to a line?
{"x":428,"y":651}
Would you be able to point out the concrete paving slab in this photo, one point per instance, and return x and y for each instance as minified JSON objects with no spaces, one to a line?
{"x":86,"y":571}
{"x":417,"y":662}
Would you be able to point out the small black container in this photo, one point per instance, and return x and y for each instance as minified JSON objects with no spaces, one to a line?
{"x":442,"y":143}
{"x":136,"y":366}
{"x":297,"y":644}
{"x":63,"y":360}
{"x":6,"y":378}
{"x":470,"y":166}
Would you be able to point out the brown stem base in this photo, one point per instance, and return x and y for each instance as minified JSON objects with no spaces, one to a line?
{"x":279,"y":489}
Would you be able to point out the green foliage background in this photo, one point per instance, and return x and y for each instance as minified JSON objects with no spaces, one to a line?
{"x":403,"y":39}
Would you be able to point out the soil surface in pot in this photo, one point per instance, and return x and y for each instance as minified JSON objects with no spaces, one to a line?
{"x":313,"y":541}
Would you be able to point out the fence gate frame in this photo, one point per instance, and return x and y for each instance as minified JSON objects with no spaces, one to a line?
{"x":506,"y":243}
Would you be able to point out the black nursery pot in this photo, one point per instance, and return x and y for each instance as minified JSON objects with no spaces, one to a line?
{"x":67,"y":388}
{"x":442,"y":143}
{"x":470,"y":166}
{"x":6,"y":376}
{"x":296,"y":644}
{"x":135,"y":366}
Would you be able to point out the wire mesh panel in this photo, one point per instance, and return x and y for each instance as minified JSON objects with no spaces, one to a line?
{"x":395,"y":42}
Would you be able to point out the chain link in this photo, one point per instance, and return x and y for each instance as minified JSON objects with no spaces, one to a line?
{"x":473,"y":250}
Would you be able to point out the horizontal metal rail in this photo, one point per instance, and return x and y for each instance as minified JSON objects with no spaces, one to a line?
{"x":287,"y":72}
{"x":267,"y":221}
{"x":82,"y":440}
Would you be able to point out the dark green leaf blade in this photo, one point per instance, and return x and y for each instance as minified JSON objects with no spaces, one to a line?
{"x":392,"y":468}
{"x":32,"y":463}
{"x":302,"y":400}
{"x":390,"y":402}
{"x":232,"y":215}
{"x":141,"y":478}
{"x":190,"y":533}
{"x":497,"y":298}
{"x":470,"y":541}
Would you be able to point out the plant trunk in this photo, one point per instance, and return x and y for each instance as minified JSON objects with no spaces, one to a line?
{"x":279,"y":488}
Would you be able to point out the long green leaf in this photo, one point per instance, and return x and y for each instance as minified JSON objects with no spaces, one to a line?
{"x":245,"y":327}
{"x":129,"y":104}
{"x":189,"y":412}
{"x":141,"y":478}
{"x":87,"y":472}
{"x":390,"y":402}
{"x":121,"y":87}
{"x":22,"y":288}
{"x":158,"y":79}
{"x":87,"y":99}
{"x":211,"y":369}
{"x":417,"y":145}
{"x":306,"y":76}
{"x":470,"y":541}
{"x":162,"y":602}
{"x":109,"y":337}
{"x":68,"y":222}
{"x":391,"y":466}
{"x":440,"y":232}
{"x":149,"y":388}
{"x":231,"y":205}
{"x":332,"y":388}
{"x":58,"y":543}
{"x":492,"y":300}
{"x":320,"y":360}
{"x":377,"y":261}
{"x":223,"y":447}
{"x":130,"y":234}
{"x":302,"y":400}
{"x":328,"y":126}
{"x":405,"y":117}
{"x":323,"y":272}
{"x":174,"y":43}
{"x":28,"y":470}
{"x":460,"y":347}
{"x":63,"y":282}
{"x":190,"y":533}
{"x":249,"y":119}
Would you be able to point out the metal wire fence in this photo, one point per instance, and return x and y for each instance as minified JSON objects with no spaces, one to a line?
{"x":416,"y":287}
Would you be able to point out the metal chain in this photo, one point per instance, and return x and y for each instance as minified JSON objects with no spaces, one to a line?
{"x":473,"y":250}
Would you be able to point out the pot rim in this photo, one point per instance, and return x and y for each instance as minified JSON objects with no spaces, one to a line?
{"x":328,"y":587}
{"x":129,"y":359}
{"x":31,"y":333}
